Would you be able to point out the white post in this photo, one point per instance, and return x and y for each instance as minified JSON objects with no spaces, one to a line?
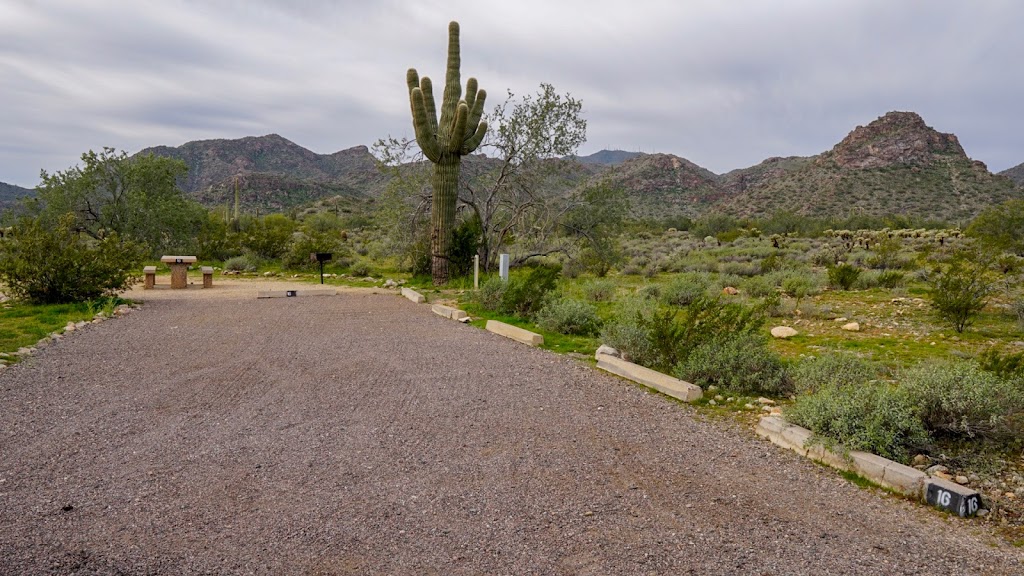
{"x":476,"y":271}
{"x":503,"y":267}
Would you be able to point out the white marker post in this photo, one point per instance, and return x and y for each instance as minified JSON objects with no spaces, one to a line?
{"x":503,"y":267}
{"x":476,"y":271}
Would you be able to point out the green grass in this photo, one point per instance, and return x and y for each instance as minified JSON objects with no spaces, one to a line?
{"x":22,"y":325}
{"x":552,"y":340}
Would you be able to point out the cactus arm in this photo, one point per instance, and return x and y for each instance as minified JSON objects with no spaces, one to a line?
{"x":473,"y":141}
{"x":428,"y":99}
{"x":476,"y":112}
{"x":420,"y":123}
{"x":452,"y":83}
{"x":471,"y":89}
{"x":454,"y":144}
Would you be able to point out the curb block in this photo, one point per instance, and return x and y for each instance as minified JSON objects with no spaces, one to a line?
{"x":293,"y":293}
{"x":663,"y":383}
{"x":908,"y":481}
{"x":514,"y":332}
{"x":414,"y":295}
{"x":448,"y":312}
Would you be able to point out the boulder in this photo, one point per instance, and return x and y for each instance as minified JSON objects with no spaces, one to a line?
{"x":783,"y":332}
{"x":608,"y":351}
{"x":730,"y":291}
{"x":851,"y":327}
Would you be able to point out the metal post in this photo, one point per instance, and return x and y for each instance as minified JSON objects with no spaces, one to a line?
{"x":321,"y":271}
{"x":476,"y":271}
{"x":503,"y":267}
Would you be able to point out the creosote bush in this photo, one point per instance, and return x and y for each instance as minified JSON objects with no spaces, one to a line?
{"x":843,"y":275}
{"x":241,"y":263}
{"x":568,"y":316}
{"x":960,"y":289}
{"x":742,"y":364}
{"x":599,"y":290}
{"x":834,"y":369}
{"x":875,"y":417}
{"x":46,"y":264}
{"x":961,"y":399}
{"x":684,"y":289}
{"x":525,"y":295}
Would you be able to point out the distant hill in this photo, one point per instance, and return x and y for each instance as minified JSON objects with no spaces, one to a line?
{"x":272,"y":172}
{"x":1016,"y":174}
{"x":894,"y":165}
{"x":661,"y":185}
{"x":608,"y":157}
{"x":11,"y":194}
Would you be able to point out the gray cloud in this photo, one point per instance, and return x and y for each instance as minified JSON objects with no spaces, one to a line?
{"x":725,"y":84}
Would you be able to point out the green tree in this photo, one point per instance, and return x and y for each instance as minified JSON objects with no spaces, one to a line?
{"x":960,"y":288}
{"x":1001,"y":226}
{"x":596,"y":219}
{"x":46,"y":263}
{"x":134,"y":197}
{"x":444,"y":142}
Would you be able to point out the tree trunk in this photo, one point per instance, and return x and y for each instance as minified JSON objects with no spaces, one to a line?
{"x":442,"y":215}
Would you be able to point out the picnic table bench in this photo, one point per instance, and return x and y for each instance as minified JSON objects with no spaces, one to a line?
{"x":179,"y":272}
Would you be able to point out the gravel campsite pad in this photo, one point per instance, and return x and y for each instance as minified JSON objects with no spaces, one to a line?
{"x":361,"y":434}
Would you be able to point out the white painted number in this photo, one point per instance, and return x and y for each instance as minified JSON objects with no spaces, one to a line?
{"x":944,"y":498}
{"x":972,"y":506}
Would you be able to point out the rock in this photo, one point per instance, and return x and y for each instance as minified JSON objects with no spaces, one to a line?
{"x":608,"y":351}
{"x":369,"y":279}
{"x":766,"y":408}
{"x":841,"y":319}
{"x":712,"y":388}
{"x":730,"y":399}
{"x":921,"y":459}
{"x":783,"y":332}
{"x":390,"y":283}
{"x":851,"y":327}
{"x":730,"y":291}
{"x":943,"y":475}
{"x":712,"y":402}
{"x":937,"y":468}
{"x":750,"y":406}
{"x":80,"y":324}
{"x":719,"y":397}
{"x":982,"y":513}
{"x":766,"y":401}
{"x":70,"y":327}
{"x":963,"y":480}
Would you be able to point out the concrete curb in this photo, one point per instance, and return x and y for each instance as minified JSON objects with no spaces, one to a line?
{"x":448,"y":312}
{"x":294,"y":293}
{"x":882,"y":471}
{"x":663,"y":383}
{"x":414,"y":295}
{"x":515,"y":333}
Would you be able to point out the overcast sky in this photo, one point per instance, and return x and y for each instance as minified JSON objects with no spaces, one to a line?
{"x":725,"y":84}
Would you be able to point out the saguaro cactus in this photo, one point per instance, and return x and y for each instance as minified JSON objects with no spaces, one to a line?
{"x":444,"y":142}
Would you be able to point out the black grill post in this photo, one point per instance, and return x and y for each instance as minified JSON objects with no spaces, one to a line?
{"x":320,"y":257}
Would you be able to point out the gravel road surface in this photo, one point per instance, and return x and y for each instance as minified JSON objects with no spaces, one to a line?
{"x":361,"y":434}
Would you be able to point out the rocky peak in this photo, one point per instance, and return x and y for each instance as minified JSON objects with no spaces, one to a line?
{"x":898,"y":138}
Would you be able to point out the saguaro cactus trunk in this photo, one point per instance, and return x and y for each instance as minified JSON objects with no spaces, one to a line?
{"x":444,"y":142}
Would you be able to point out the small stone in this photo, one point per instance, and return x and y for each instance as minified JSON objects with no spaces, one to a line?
{"x":70,"y":327}
{"x":766,"y":401}
{"x":937,"y":468}
{"x":841,"y":319}
{"x":964,"y":480}
{"x":943,"y":475}
{"x":921,"y":459}
{"x":766,"y":408}
{"x":851,"y":327}
{"x":588,"y":513}
{"x":749,"y":406}
{"x":712,"y":402}
{"x":783,"y":332}
{"x":390,"y":283}
{"x":268,"y":274}
{"x":719,"y":397}
{"x":80,"y":324}
{"x":1009,"y":495}
{"x":982,"y":513}
{"x":712,"y":388}
{"x":730,"y":399}
{"x":730,"y":291}
{"x":608,"y":351}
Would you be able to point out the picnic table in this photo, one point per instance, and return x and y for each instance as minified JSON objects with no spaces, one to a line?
{"x":179,"y":269}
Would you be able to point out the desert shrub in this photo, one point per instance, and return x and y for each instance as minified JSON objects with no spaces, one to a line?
{"x":525,"y":295}
{"x":771,"y":263}
{"x":628,"y":330}
{"x":746,"y":269}
{"x":360,"y":268}
{"x":599,"y":290}
{"x":758,"y":286}
{"x":843,"y":276}
{"x":874,"y":417}
{"x":47,"y":264}
{"x":1005,"y":365}
{"x":297,"y":256}
{"x":490,"y":293}
{"x":827,"y":256}
{"x":832,"y":369}
{"x":743,"y":364}
{"x":887,"y":255}
{"x":463,"y":245}
{"x":684,"y":288}
{"x":960,"y":289}
{"x":568,"y":316}
{"x":1018,"y":310}
{"x":959,"y":398}
{"x":650,"y":291}
{"x":633,"y":268}
{"x":799,"y":285}
{"x":892,"y":279}
{"x":243,"y":263}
